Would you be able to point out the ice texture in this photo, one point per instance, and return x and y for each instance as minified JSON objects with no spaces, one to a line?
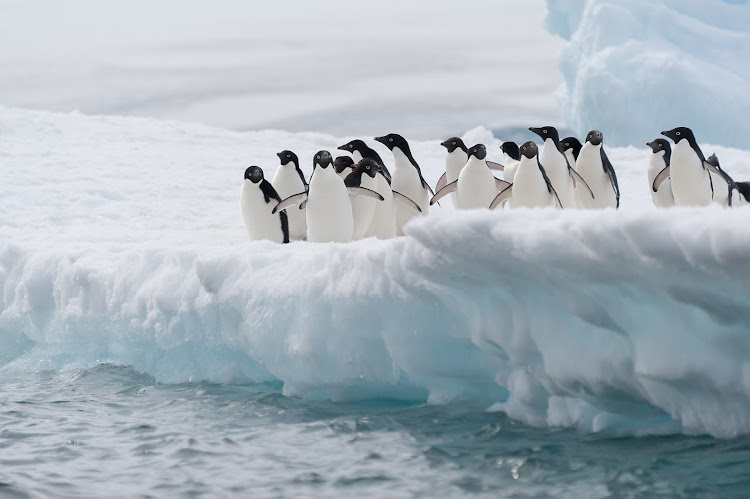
{"x":634,"y":68}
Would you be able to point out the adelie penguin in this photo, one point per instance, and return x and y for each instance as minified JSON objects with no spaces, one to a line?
{"x":364,"y":175}
{"x":725,"y":198}
{"x":692,"y":184}
{"x":456,"y":157}
{"x":571,"y":146}
{"x":594,"y":165}
{"x":407,"y":179}
{"x":512,"y":159}
{"x":257,"y":201}
{"x":328,"y":207}
{"x":343,"y":165}
{"x":555,"y":163}
{"x":476,"y":187}
{"x":659,"y":160}
{"x":287,"y":181}
{"x":359,"y":151}
{"x":532,"y":187}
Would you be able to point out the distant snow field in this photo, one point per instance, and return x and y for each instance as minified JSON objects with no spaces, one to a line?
{"x":121,"y":241}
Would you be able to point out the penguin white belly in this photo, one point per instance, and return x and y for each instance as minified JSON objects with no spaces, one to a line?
{"x":256,"y":213}
{"x":511,"y":166}
{"x":287,"y":183}
{"x":363,"y":207}
{"x":571,"y":159}
{"x":557,"y":171}
{"x":406,"y":180}
{"x":662,"y":198}
{"x":530,"y":189}
{"x":721,"y":190}
{"x":476,"y":186}
{"x":329,"y":210}
{"x":383,"y":223}
{"x":589,"y":166}
{"x":690,"y":182}
{"x":454,"y":162}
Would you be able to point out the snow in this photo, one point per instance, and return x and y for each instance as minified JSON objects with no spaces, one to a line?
{"x":121,"y":241}
{"x":427,"y":68}
{"x":634,"y":68}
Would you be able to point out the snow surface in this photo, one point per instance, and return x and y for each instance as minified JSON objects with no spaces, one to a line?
{"x":121,"y":241}
{"x":633,"y":68}
{"x":427,"y":68}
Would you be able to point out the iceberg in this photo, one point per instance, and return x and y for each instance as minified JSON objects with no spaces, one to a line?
{"x":634,"y":68}
{"x":121,"y":242}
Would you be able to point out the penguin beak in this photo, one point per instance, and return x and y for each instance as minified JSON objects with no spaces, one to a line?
{"x":444,"y":144}
{"x":380,"y":139}
{"x":342,"y":148}
{"x":278,"y":154}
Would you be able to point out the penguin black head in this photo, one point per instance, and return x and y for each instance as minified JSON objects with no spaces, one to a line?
{"x":341,"y":163}
{"x":322,"y":159}
{"x":659,"y":145}
{"x":713,"y":160}
{"x":393,"y":140}
{"x":679,"y":133}
{"x":254,"y":174}
{"x":286,"y":156}
{"x":595,"y":137}
{"x":547,"y":132}
{"x":479,"y":151}
{"x":354,"y":145}
{"x":511,"y":149}
{"x":571,"y":143}
{"x":368,"y":167}
{"x":529,"y":149}
{"x":454,"y":143}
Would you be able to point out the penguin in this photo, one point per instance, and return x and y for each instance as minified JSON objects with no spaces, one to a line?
{"x":476,"y":187}
{"x":343,"y":165}
{"x":329,"y":209}
{"x":571,"y":146}
{"x":363,"y":175}
{"x":532,"y":187}
{"x":744,"y":189}
{"x":692,"y":184}
{"x":456,"y":157}
{"x":555,"y":163}
{"x":287,"y":181}
{"x":257,"y":199}
{"x":661,"y":154}
{"x":512,"y":159}
{"x":359,"y":150}
{"x":594,"y":166}
{"x":722,"y":196}
{"x":407,"y":179}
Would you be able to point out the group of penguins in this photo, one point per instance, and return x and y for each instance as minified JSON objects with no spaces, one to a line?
{"x":355,"y":197}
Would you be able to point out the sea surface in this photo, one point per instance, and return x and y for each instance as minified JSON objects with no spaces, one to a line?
{"x":113,"y":432}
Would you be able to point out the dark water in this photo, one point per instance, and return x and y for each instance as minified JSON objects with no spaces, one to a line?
{"x":113,"y":432}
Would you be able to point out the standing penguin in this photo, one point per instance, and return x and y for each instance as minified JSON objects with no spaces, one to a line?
{"x":661,"y":154}
{"x":407,"y":179}
{"x":722,"y":195}
{"x":571,"y":146}
{"x":512,"y":159}
{"x":476,"y":187}
{"x":532,"y":187}
{"x":594,"y":165}
{"x":363,"y":207}
{"x":287,"y":181}
{"x":555,"y":163}
{"x":257,"y":200}
{"x":329,"y":210}
{"x":359,"y":150}
{"x":690,"y":172}
{"x":456,"y":157}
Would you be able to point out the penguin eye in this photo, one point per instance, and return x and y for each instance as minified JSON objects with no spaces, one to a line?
{"x":544,"y":131}
{"x":453,"y":143}
{"x":367,"y":167}
{"x":390,"y":140}
{"x":288,"y":156}
{"x":678,"y":133}
{"x":317,"y":157}
{"x":350,"y":146}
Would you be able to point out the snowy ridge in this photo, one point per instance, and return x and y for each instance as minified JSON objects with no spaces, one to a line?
{"x":623,"y":322}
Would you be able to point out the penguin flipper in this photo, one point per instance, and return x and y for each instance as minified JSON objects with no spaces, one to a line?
{"x":660,"y":178}
{"x":557,"y":198}
{"x":502,"y":196}
{"x":364,"y":191}
{"x":501,"y":185}
{"x":495,"y":166}
{"x":441,"y":182}
{"x":577,"y":178}
{"x":290,"y":201}
{"x":448,"y":188}
{"x":610,"y":171}
{"x":406,"y":200}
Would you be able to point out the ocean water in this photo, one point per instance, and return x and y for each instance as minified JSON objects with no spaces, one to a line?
{"x":113,"y":432}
